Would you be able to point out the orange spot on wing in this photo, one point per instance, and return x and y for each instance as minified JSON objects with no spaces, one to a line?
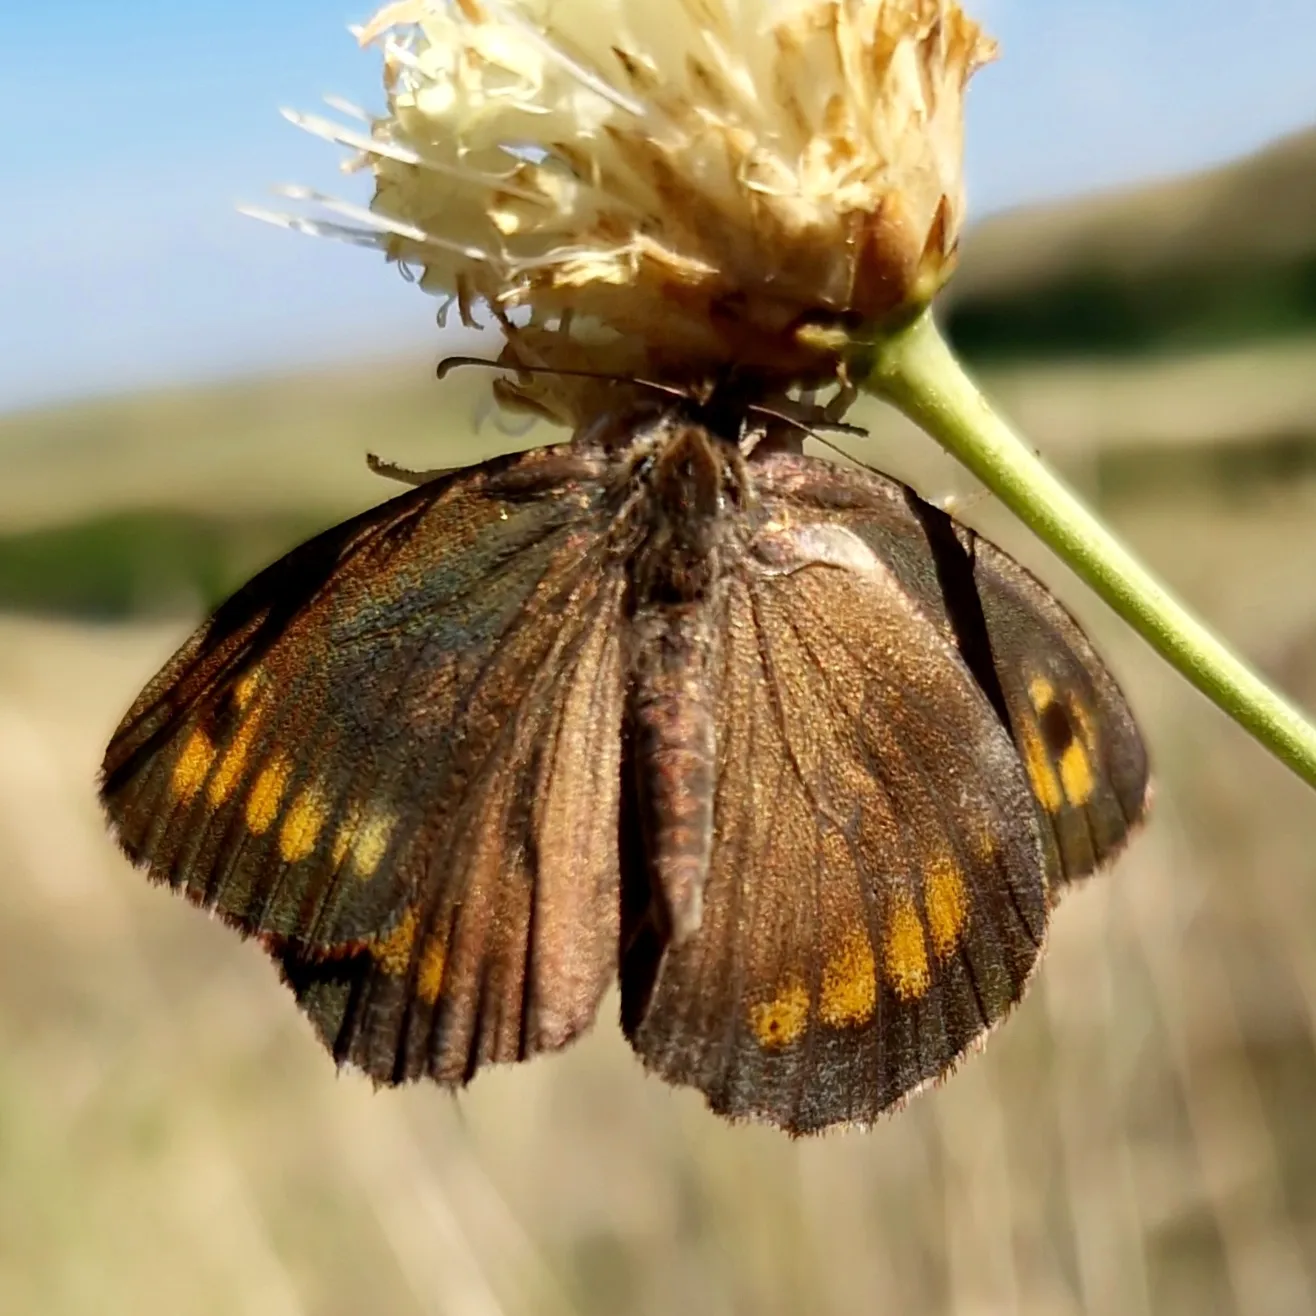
{"x":1042,"y":776}
{"x":363,"y":838}
{"x":1076,"y":774}
{"x":905,"y":952}
{"x":267,"y":794}
{"x":393,"y":952}
{"x":1080,"y":717}
{"x":1042,"y":693}
{"x":301,"y":828}
{"x":371,"y":842}
{"x":947,"y":904}
{"x":229,"y":772}
{"x":782,"y":1020}
{"x":245,"y":689}
{"x":193,"y":764}
{"x":343,"y":837}
{"x":430,"y":979}
{"x":849,"y":984}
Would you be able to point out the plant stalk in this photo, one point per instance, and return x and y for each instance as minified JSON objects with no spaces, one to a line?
{"x":915,"y":370}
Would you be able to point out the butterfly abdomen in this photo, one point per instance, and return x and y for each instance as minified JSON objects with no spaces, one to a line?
{"x":674,"y":746}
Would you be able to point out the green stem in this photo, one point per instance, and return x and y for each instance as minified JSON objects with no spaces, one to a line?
{"x":916,"y":371}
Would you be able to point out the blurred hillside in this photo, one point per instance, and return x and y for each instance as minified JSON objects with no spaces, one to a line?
{"x":159,"y":504}
{"x":1217,"y":257}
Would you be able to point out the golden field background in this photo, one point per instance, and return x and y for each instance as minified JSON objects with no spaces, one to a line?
{"x":1139,"y":1139}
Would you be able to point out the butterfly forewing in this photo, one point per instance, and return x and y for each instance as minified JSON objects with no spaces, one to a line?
{"x":512,"y":937}
{"x":1079,"y":743}
{"x":1072,"y":727}
{"x":371,"y":756}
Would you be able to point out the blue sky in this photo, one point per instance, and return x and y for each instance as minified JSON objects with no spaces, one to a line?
{"x":133,"y":128}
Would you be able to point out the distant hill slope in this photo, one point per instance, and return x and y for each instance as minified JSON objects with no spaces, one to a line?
{"x":1216,"y":257}
{"x":161,"y":503}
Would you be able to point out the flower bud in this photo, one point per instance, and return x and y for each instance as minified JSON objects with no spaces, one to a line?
{"x":707,"y":178}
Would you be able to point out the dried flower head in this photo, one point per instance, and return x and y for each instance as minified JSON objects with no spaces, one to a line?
{"x":699,"y":177}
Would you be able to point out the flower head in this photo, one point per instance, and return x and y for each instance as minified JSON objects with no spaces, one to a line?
{"x":697,"y":179}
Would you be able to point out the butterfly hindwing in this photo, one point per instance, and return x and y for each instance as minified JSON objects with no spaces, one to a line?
{"x":876,"y":895}
{"x":887,"y":840}
{"x":372,"y":758}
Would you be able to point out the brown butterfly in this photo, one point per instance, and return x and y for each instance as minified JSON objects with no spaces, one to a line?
{"x":797,"y":757}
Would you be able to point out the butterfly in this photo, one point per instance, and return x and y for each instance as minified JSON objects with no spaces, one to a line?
{"x":790,"y":753}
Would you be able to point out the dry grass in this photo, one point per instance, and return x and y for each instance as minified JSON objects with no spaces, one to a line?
{"x":1138,"y":1140}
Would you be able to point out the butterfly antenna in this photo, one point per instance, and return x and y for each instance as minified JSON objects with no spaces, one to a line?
{"x":810,"y":427}
{"x":812,"y":431}
{"x":451,"y":363}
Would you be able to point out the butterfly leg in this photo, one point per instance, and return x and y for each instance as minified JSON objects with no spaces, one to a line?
{"x":402,"y":474}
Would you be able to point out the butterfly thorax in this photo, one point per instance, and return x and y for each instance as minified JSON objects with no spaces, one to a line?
{"x":682,"y":515}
